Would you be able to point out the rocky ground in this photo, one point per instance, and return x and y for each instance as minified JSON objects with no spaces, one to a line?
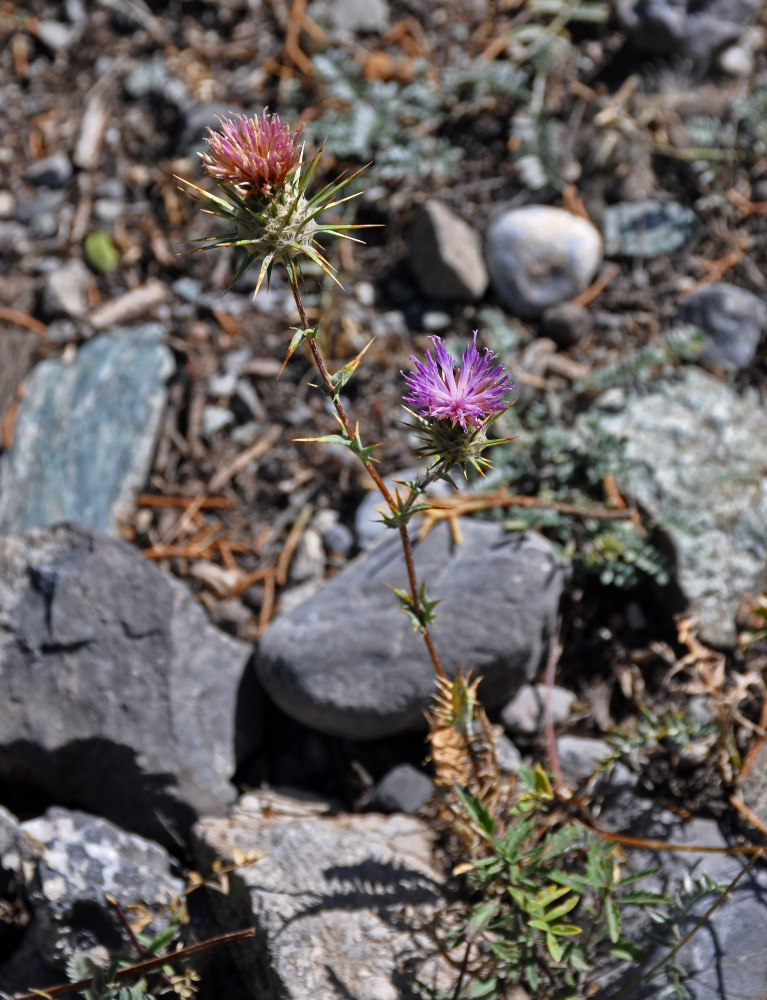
{"x":192,"y":595}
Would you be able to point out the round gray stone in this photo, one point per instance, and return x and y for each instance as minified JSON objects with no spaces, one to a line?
{"x":538,"y":256}
{"x":348,"y":661}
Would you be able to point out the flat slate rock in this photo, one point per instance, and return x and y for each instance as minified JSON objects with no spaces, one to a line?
{"x":341,"y":904}
{"x":348,"y":661}
{"x":85,"y":433}
{"x":118,"y":695}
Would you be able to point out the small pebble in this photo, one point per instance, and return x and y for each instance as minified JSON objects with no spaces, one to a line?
{"x":215,"y":419}
{"x":732,"y":318}
{"x":65,"y":292}
{"x":7,"y":204}
{"x":566,"y":323}
{"x":404,"y":789}
{"x":52,"y":171}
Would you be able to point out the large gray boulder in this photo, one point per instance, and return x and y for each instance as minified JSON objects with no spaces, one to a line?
{"x":118,"y":695}
{"x":348,"y":662}
{"x":341,"y":904}
{"x":696,"y":454}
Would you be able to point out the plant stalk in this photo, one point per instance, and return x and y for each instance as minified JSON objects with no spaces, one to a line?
{"x":407,"y":547}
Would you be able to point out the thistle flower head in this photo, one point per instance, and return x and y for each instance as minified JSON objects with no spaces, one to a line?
{"x":466,"y":396}
{"x":252,"y":155}
{"x":258,"y":166}
{"x":453,"y":408}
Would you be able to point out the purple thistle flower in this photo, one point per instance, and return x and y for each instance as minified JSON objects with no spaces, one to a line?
{"x":254,"y":155}
{"x":466,"y":397}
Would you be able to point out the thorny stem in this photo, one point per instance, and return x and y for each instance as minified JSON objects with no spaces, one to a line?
{"x":407,"y":547}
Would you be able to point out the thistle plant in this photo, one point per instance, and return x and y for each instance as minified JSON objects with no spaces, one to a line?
{"x":528,"y":884}
{"x":258,"y":165}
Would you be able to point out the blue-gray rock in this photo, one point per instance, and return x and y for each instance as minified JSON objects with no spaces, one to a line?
{"x":733,"y":319}
{"x":341,"y":904}
{"x":646,"y":228}
{"x":538,"y":256}
{"x":696,"y":454}
{"x":696,"y":29}
{"x":446,"y":255}
{"x":118,"y":695}
{"x":725,"y":957}
{"x":85,"y":433}
{"x":69,"y":863}
{"x":403,"y":789}
{"x":348,"y":661}
{"x":52,"y":171}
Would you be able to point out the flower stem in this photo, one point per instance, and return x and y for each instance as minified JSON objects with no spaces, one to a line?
{"x":407,"y":547}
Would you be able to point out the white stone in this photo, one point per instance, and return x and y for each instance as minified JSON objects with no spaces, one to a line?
{"x":539,"y":256}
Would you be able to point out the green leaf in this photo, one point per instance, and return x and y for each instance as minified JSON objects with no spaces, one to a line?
{"x":477,"y":812}
{"x":563,"y":908}
{"x":613,"y":916}
{"x":554,"y":948}
{"x":626,"y":951}
{"x":565,"y":930}
{"x":636,"y":876}
{"x":637,"y":897}
{"x":481,"y":988}
{"x":480,"y":918}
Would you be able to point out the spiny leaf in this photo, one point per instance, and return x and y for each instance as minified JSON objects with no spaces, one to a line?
{"x":298,"y":338}
{"x":342,"y":376}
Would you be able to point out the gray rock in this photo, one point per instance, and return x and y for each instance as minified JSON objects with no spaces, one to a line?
{"x":404,"y":789}
{"x":348,"y":661}
{"x":65,"y":292}
{"x":52,"y":171}
{"x":696,"y":29}
{"x":341,"y":904}
{"x":732,"y":318}
{"x":566,"y":323}
{"x":646,"y":228}
{"x":69,"y":863}
{"x":696,"y":452}
{"x":446,"y":255}
{"x":215,"y":419}
{"x":753,"y":789}
{"x":55,"y":35}
{"x":119,"y":697}
{"x":579,"y":757}
{"x":525,"y":713}
{"x":9,"y":826}
{"x":336,"y":537}
{"x":349,"y":17}
{"x":85,"y":433}
{"x":538,"y":256}
{"x":726,"y":957}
